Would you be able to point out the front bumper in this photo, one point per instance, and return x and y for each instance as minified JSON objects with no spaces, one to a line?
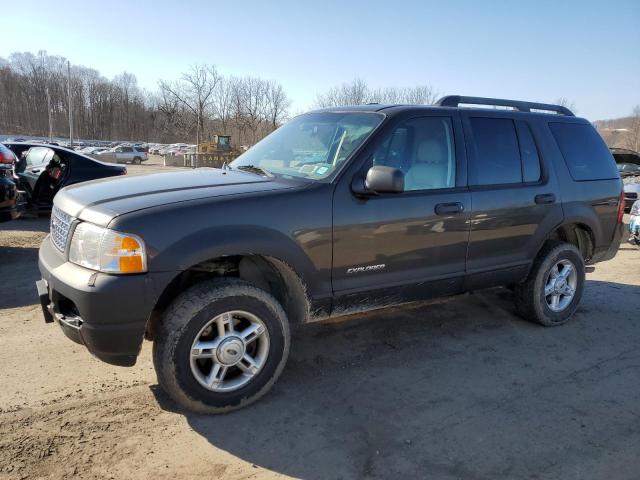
{"x":107,"y":314}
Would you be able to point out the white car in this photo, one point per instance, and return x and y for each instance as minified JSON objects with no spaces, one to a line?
{"x":123,"y":154}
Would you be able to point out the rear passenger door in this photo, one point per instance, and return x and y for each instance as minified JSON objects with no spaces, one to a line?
{"x":513,"y":196}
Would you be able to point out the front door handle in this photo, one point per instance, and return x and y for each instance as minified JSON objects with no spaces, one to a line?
{"x":449,"y":208}
{"x":545,"y":198}
{"x":36,"y":170}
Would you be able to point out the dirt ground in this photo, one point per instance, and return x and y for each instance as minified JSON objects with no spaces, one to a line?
{"x":459,"y":389}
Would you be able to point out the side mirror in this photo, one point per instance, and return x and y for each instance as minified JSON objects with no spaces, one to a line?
{"x":380,"y":179}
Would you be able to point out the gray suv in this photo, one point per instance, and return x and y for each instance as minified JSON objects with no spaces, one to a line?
{"x":339,"y":211}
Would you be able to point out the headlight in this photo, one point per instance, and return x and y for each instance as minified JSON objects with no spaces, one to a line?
{"x":106,"y":250}
{"x":635,"y":208}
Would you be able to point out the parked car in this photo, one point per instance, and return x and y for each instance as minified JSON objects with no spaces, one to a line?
{"x":628,"y":163}
{"x":339,"y":211}
{"x":123,"y":154}
{"x":8,"y":189}
{"x":42,"y":170}
{"x":92,"y":150}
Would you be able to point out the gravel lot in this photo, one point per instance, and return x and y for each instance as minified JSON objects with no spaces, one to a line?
{"x":452,"y":389}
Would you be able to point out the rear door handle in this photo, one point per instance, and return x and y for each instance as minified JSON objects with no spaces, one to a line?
{"x":545,"y":198}
{"x":449,"y":208}
{"x":36,"y":170}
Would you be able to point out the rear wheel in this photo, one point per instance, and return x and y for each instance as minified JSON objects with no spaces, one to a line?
{"x":221,"y":345}
{"x":137,"y":161}
{"x":553,"y":290}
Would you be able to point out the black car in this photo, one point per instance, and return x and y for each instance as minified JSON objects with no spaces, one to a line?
{"x":8,"y":190}
{"x":339,"y":211}
{"x":42,"y":170}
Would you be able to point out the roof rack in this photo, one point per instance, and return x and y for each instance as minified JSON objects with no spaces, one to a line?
{"x":455,"y":100}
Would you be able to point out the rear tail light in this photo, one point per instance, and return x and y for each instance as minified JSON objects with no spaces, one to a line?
{"x":7,"y":156}
{"x":621,"y":207}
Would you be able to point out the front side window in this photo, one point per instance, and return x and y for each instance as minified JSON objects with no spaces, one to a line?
{"x":423,"y":148}
{"x":312,"y":146}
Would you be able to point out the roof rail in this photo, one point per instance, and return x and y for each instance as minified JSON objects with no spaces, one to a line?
{"x":455,"y":100}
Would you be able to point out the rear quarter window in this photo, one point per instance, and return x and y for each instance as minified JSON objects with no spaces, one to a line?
{"x":585,"y":153}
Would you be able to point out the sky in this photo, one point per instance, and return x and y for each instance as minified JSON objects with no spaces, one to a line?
{"x":539,"y":50}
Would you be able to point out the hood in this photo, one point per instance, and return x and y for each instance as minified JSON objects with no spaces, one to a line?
{"x":100,"y":201}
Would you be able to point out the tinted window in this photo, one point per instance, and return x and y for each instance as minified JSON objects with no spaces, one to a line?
{"x":528,"y":153}
{"x":497,"y":152}
{"x":584,"y":151}
{"x":423,"y":149}
{"x":127,"y":149}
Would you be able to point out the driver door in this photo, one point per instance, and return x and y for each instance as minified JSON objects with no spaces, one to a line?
{"x":396,"y":247}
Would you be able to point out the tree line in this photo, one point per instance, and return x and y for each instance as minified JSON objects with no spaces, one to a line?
{"x":199,"y":104}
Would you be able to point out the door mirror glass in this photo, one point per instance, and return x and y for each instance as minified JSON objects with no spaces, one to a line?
{"x":382,"y":179}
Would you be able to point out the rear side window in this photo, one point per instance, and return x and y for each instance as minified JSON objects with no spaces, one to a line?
{"x":585,"y":153}
{"x":528,"y":153}
{"x":497,"y":152}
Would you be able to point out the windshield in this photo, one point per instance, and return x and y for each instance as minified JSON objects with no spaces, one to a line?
{"x":312,"y":146}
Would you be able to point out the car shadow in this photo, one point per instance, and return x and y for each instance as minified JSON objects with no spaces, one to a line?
{"x":19,"y":269}
{"x":28,"y":223}
{"x":461,"y":388}
{"x":19,"y":241}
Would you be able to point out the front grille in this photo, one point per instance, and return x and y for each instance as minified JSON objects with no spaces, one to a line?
{"x":630,"y":194}
{"x":60,"y":226}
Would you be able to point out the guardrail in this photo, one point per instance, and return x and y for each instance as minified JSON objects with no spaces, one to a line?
{"x":196,"y":160}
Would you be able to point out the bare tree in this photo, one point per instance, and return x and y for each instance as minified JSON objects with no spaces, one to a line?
{"x":277,"y":104}
{"x":565,"y":102}
{"x":358,"y":92}
{"x":355,"y":92}
{"x":633,"y":138}
{"x":222,"y":104}
{"x":194,"y":90}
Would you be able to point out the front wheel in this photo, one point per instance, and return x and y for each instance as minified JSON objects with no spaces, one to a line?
{"x":553,"y":289}
{"x":221,"y":345}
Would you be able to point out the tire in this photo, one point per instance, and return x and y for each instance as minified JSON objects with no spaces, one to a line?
{"x":136,"y":161}
{"x":531,"y":301}
{"x":187,"y":319}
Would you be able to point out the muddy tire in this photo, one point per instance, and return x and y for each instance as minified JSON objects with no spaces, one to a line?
{"x":553,"y":289}
{"x":220,"y":346}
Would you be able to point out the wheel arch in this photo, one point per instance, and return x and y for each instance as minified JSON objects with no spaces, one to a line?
{"x":577,"y":232}
{"x":272,"y":274}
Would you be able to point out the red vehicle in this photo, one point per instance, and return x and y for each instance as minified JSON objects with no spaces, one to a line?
{"x":9,"y":205}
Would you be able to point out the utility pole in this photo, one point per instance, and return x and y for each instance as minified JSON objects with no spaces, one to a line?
{"x":49,"y":111}
{"x":70,"y":106}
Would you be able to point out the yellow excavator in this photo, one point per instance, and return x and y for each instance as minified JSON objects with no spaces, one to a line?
{"x":219,"y":144}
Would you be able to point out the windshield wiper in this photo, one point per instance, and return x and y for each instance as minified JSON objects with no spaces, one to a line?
{"x":254,"y":169}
